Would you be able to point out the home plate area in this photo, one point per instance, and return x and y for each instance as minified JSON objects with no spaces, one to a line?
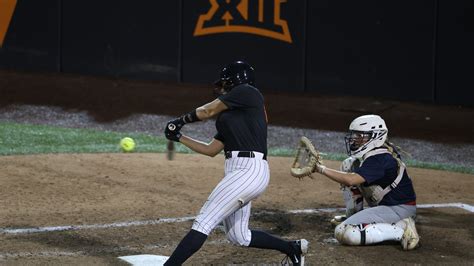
{"x":327,"y":240}
{"x":145,"y":260}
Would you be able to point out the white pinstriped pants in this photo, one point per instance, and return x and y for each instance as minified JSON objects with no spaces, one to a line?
{"x":230,"y":201}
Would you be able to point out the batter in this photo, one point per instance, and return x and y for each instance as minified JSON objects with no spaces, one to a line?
{"x":241,"y":124}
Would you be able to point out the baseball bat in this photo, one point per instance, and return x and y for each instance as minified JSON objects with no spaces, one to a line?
{"x":170,"y":150}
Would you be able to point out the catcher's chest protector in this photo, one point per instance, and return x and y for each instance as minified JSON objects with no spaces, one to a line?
{"x":375,"y":193}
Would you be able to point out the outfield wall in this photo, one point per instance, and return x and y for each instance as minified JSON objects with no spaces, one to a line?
{"x":405,"y":50}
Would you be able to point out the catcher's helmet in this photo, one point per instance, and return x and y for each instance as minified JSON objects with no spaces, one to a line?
{"x":235,"y":73}
{"x":366,"y":133}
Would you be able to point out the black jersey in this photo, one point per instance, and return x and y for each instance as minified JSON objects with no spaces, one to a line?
{"x":243,"y":127}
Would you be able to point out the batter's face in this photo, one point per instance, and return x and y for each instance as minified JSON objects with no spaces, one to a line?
{"x":219,"y":91}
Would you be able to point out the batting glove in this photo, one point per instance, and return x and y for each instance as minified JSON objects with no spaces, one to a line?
{"x":173,"y":135}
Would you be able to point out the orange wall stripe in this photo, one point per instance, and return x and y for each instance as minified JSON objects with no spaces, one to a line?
{"x":6,"y":12}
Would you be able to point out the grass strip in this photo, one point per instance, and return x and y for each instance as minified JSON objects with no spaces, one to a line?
{"x":20,"y":139}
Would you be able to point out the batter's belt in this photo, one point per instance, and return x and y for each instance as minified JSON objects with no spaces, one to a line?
{"x":246,"y":154}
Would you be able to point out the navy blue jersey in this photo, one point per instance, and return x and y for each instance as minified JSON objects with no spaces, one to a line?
{"x":382,"y":169}
{"x":243,"y":127}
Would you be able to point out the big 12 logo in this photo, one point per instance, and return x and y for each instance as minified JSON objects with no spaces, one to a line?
{"x":260,"y":17}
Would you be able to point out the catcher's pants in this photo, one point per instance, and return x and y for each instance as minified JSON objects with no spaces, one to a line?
{"x":382,"y":214}
{"x":230,"y":201}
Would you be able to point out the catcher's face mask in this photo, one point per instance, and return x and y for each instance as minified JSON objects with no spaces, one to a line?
{"x":356,"y":139}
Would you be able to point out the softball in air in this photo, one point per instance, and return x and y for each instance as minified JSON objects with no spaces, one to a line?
{"x":127,"y":144}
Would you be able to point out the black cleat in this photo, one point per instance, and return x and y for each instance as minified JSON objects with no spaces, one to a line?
{"x":300,"y":248}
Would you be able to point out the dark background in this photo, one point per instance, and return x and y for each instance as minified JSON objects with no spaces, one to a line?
{"x":402,"y":50}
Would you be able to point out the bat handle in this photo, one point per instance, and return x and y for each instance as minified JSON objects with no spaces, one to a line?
{"x":170,"y":150}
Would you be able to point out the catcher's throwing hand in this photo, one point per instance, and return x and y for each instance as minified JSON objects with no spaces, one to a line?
{"x":307,"y":160}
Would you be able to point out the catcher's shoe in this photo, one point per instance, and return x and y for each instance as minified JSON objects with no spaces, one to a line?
{"x":300,"y":248}
{"x":410,"y":239}
{"x":338,"y":219}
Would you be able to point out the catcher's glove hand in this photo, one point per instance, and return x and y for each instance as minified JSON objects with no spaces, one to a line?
{"x":307,"y":160}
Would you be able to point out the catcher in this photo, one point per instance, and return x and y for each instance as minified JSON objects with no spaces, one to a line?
{"x":374,"y":172}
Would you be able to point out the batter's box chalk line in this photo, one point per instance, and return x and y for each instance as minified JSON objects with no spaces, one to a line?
{"x":31,"y":230}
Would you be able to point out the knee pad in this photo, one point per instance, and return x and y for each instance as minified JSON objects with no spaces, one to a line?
{"x":349,"y":234}
{"x":366,"y":234}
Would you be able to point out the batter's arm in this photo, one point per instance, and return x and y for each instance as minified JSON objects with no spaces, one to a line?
{"x":201,"y":113}
{"x":210,"y":109}
{"x":210,"y":149}
{"x":348,"y":179}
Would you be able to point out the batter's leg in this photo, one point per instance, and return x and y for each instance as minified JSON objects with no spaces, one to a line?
{"x":238,"y":188}
{"x":190,"y":244}
{"x":236,"y":226}
{"x":237,"y":230}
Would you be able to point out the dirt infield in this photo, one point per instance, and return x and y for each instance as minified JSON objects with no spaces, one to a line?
{"x":115,"y":204}
{"x":99,"y":189}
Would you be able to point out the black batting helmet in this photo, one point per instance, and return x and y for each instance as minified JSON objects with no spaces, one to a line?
{"x":236,"y":73}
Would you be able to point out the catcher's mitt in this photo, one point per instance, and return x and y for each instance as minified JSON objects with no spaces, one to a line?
{"x":307,"y":159}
